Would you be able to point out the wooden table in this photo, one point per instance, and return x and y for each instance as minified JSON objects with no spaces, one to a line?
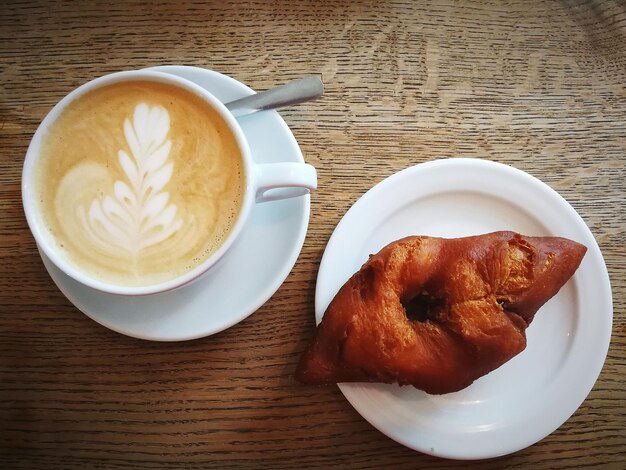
{"x":537,"y":85}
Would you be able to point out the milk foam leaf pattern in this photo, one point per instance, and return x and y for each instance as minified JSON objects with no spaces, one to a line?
{"x":137,"y":214}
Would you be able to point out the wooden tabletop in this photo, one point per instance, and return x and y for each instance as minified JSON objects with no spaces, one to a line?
{"x":536,"y":85}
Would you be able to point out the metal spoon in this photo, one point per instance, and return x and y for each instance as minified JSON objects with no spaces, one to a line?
{"x":299,"y":91}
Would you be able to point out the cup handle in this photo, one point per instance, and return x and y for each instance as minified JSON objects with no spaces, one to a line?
{"x":283,"y":180}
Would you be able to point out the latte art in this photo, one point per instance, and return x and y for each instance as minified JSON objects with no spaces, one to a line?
{"x":139,"y":182}
{"x":138,"y":214}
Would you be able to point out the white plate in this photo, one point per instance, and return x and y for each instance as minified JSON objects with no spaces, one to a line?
{"x":533,"y":394}
{"x":252,"y":270}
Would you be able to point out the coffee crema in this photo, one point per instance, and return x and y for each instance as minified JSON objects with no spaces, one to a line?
{"x":138,"y":182}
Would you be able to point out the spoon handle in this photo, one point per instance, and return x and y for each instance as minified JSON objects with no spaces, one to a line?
{"x":299,"y":91}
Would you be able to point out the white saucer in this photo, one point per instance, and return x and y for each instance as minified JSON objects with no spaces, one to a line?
{"x":533,"y":394}
{"x":251,"y":271}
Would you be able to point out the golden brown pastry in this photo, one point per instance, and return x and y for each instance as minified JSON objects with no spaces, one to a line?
{"x":437,"y":313}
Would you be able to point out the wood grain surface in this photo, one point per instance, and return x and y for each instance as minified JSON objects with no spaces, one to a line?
{"x":537,"y":85}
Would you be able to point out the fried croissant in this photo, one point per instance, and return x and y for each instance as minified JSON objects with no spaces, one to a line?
{"x":437,"y":313}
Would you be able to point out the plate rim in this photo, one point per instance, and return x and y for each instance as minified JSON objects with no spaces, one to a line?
{"x":323,"y":298}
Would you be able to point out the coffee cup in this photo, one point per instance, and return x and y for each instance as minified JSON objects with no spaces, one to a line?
{"x":140,"y":182}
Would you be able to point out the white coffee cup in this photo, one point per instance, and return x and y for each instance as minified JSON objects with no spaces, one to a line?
{"x":263,"y":182}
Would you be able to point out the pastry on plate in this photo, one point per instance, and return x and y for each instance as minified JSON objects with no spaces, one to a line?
{"x":437,"y":313}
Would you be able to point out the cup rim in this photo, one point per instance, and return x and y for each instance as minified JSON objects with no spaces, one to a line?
{"x":37,"y":226}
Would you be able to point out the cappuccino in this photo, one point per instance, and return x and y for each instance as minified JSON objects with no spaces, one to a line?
{"x":138,"y":182}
